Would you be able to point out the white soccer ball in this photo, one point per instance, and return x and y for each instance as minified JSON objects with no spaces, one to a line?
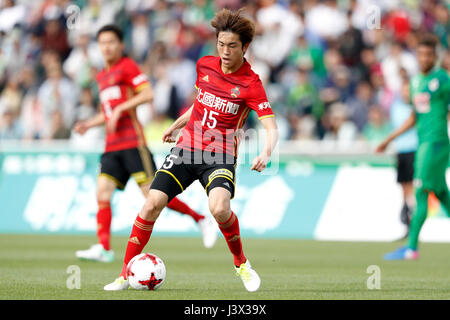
{"x":146,"y":271}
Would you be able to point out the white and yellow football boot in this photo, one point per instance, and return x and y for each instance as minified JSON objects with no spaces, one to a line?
{"x":248,"y":276}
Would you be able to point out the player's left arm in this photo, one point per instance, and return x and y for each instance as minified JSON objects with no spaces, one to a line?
{"x":261,"y":161}
{"x":257,"y":100}
{"x":144,"y":95}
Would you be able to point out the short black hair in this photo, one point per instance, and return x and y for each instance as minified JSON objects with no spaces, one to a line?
{"x":111,"y":28}
{"x":428,"y":40}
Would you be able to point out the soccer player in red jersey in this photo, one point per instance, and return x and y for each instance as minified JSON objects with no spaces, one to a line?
{"x":228,"y":90}
{"x":123,"y":87}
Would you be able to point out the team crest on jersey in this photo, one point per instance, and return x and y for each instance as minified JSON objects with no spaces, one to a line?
{"x":433,"y":85}
{"x":235,"y":92}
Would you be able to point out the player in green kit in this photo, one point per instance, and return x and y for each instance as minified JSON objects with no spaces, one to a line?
{"x":430,"y":98}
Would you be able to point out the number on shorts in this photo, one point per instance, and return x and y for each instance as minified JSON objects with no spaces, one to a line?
{"x":169,"y":161}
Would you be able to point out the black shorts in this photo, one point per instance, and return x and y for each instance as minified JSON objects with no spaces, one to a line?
{"x":405,"y":167}
{"x":118,"y":166}
{"x":182,"y":167}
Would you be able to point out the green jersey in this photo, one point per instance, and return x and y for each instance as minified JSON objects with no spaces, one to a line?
{"x":430,"y":97}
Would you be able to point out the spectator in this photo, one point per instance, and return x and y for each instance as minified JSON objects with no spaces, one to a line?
{"x":280,"y":28}
{"x":326,"y":20}
{"x":11,"y":14}
{"x":32,"y":117}
{"x":199,"y":12}
{"x":55,"y":37}
{"x":377,"y":128}
{"x":140,"y":35}
{"x":11,"y":96}
{"x":27,"y":79}
{"x":441,"y":26}
{"x":307,"y":57}
{"x":351,"y":44}
{"x":166,"y":100}
{"x":57,"y":93}
{"x":10,"y":128}
{"x":358,"y":105}
{"x":84,"y":56}
{"x":58,"y":129}
{"x":86,"y":110}
{"x":97,"y":13}
{"x":14,"y":55}
{"x":340,"y":130}
{"x":304,"y":108}
{"x":182,"y":74}
{"x":339,"y":87}
{"x":368,"y":63}
{"x":398,"y":23}
{"x":391,"y":65}
{"x":303,"y":97}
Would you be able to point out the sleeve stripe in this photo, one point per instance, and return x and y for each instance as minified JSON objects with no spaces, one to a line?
{"x":268,"y":116}
{"x":141,"y":87}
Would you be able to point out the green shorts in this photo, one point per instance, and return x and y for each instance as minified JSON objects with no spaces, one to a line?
{"x":430,"y":165}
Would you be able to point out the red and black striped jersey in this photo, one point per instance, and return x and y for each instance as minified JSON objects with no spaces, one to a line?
{"x":116,"y":85}
{"x":222,"y":106}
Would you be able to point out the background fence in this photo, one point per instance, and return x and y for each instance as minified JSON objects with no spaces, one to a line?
{"x":51,"y":189}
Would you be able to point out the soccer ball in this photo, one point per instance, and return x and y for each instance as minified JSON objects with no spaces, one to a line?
{"x":146,"y":271}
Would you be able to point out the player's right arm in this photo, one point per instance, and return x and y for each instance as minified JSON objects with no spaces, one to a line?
{"x":408,"y":124}
{"x":82,"y":126}
{"x":180,"y":123}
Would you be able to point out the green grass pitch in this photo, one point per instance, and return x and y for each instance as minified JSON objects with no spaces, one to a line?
{"x":35,"y":267}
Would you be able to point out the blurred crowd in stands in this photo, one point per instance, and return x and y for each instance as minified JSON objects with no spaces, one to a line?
{"x":332,"y":69}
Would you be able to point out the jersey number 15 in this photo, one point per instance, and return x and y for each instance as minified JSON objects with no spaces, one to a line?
{"x":209,"y":118}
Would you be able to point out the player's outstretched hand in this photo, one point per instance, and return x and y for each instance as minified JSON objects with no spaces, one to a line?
{"x":382,"y":147}
{"x":168,"y":136}
{"x":260,"y":163}
{"x":81,"y":127}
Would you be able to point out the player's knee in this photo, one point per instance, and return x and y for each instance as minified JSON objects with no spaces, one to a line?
{"x":220,"y":210}
{"x":103,"y":195}
{"x":150,"y":211}
{"x":152,"y":208}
